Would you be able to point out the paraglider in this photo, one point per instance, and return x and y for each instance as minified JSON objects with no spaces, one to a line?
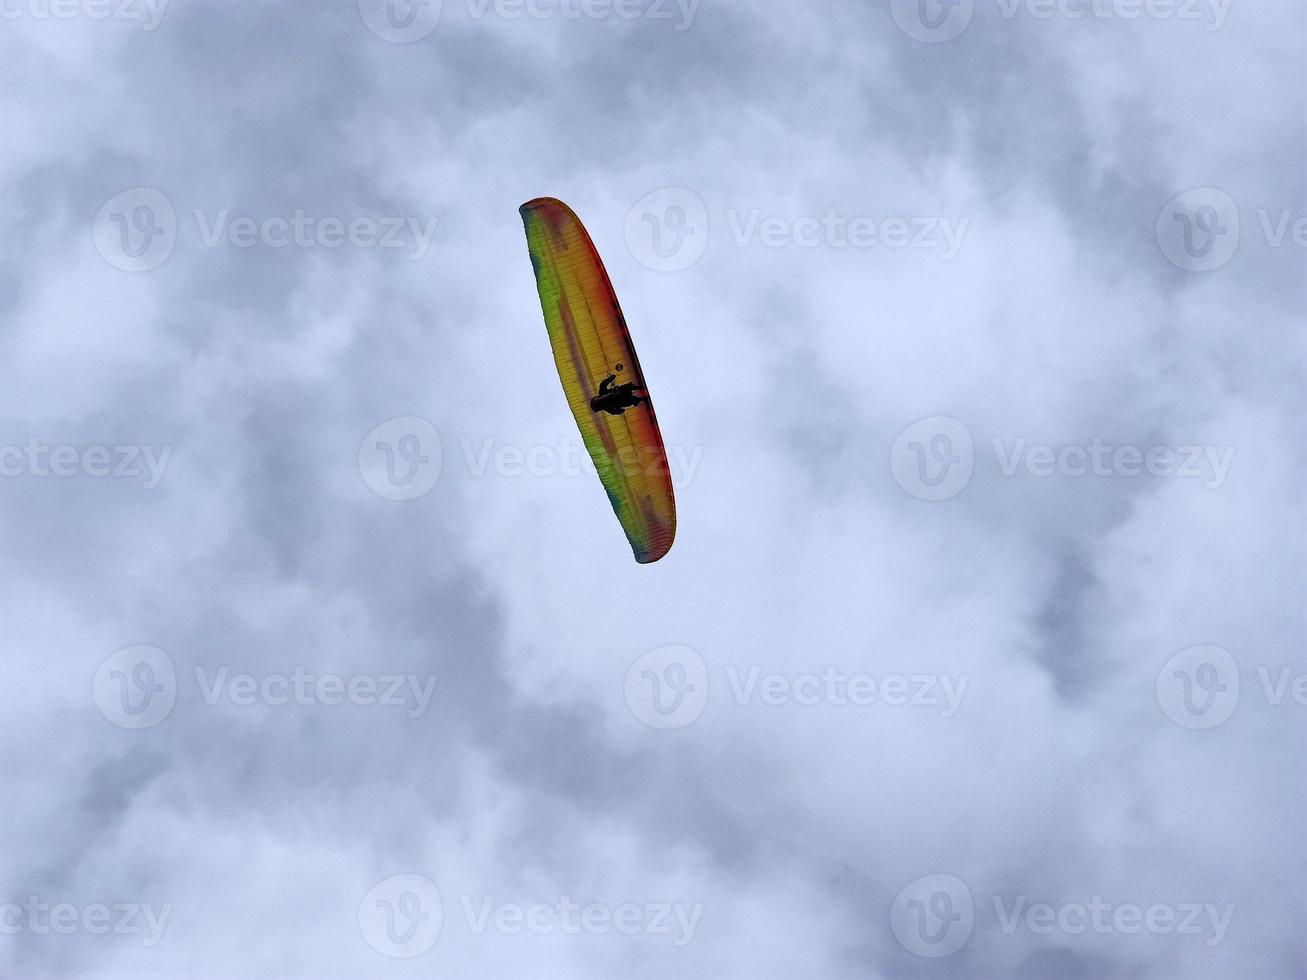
{"x":616,"y":400}
{"x":601,"y":376}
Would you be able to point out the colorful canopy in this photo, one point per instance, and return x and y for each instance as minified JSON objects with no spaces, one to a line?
{"x":601,"y":375}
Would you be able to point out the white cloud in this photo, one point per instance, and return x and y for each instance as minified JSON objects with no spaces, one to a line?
{"x":789,"y":370}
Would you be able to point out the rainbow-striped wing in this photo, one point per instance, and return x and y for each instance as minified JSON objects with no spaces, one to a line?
{"x":590,"y":342}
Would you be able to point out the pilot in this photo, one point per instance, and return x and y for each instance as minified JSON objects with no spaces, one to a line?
{"x":616,"y":399}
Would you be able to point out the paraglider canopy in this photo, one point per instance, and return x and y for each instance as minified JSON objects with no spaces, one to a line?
{"x":601,"y":376}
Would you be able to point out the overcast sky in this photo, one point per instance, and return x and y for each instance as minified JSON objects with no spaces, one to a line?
{"x":976,"y":337}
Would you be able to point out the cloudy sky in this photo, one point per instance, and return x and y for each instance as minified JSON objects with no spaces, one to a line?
{"x":975,"y":332}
